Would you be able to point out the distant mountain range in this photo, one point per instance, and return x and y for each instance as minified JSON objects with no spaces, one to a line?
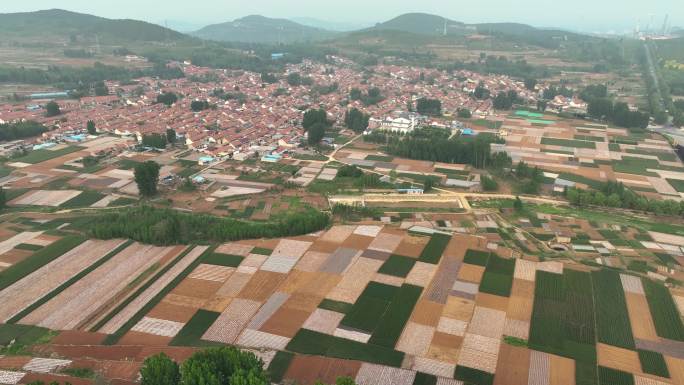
{"x":57,"y":24}
{"x":405,"y":30}
{"x":260,"y":29}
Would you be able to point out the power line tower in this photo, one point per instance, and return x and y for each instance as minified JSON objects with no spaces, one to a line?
{"x":664,"y":32}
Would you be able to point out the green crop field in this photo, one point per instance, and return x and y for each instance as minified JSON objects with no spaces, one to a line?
{"x":191,"y":333}
{"x":477,"y":257}
{"x":393,"y":321}
{"x":39,"y":156}
{"x":397,"y":265}
{"x":370,"y":307}
{"x":653,"y":363}
{"x":498,"y":276}
{"x":666,"y":317}
{"x":612,"y":319}
{"x":223,"y":260}
{"x":568,"y":143}
{"x":432,"y":252}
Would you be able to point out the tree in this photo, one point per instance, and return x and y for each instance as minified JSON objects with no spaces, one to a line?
{"x":52,"y":109}
{"x":312,"y":117}
{"x":464,"y":113}
{"x":199,"y":105}
{"x":355,"y":94}
{"x":168,"y":98}
{"x":294,"y":79}
{"x":481,"y":93}
{"x":541,"y":105}
{"x":268,"y":78}
{"x":316,"y":132}
{"x":488,"y":183}
{"x":223,"y":366}
{"x":90,"y":126}
{"x":429,"y":106}
{"x":356,"y":120}
{"x":171,"y":136}
{"x":159,"y":370}
{"x":530,"y":84}
{"x":101,"y":89}
{"x":428,"y":184}
{"x":3,"y":198}
{"x":518,"y":204}
{"x":154,"y":140}
{"x":147,"y":178}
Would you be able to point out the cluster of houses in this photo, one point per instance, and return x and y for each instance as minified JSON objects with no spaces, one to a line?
{"x":247,"y":113}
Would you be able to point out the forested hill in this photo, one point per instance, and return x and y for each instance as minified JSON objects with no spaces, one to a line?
{"x":260,"y":29}
{"x":59,"y":25}
{"x":426,"y":28}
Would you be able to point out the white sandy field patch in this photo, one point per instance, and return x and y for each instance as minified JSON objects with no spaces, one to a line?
{"x":75,"y":304}
{"x":36,"y":285}
{"x":17,"y":239}
{"x":158,"y":327}
{"x":140,"y":301}
{"x":52,"y":198}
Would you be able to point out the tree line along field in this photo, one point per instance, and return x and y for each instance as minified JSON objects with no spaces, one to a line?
{"x":378,"y":303}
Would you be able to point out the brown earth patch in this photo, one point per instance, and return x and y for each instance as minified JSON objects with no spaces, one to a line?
{"x":513,"y":366}
{"x":491,"y":301}
{"x":324,"y":247}
{"x":172,"y":312}
{"x":48,"y":378}
{"x":412,"y":245}
{"x":285,"y":322}
{"x":427,"y":313}
{"x":14,"y":362}
{"x":262,"y":285}
{"x":76,"y":337}
{"x":138,"y":338}
{"x":217,"y":304}
{"x":359,"y":242}
{"x":459,"y":308}
{"x":197,"y":288}
{"x":471,"y":273}
{"x":14,"y":256}
{"x":562,"y":370}
{"x":618,"y":358}
{"x":640,"y":317}
{"x":307,"y":370}
{"x":520,"y":308}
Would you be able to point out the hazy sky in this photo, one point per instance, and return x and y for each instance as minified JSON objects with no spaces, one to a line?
{"x":585,"y":15}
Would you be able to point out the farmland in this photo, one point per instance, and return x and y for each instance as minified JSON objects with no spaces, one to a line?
{"x":371,"y":299}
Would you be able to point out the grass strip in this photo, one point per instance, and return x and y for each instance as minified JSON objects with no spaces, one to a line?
{"x":653,"y":363}
{"x":612,"y":319}
{"x":191,"y":334}
{"x":498,"y":276}
{"x":666,"y":317}
{"x":392,"y":323}
{"x":68,"y":283}
{"x":114,"y":338}
{"x":337,"y":306}
{"x":279,"y":365}
{"x":39,"y":259}
{"x":477,"y":257}
{"x":473,"y":376}
{"x":224,"y":260}
{"x":432,"y":252}
{"x":397,"y":265}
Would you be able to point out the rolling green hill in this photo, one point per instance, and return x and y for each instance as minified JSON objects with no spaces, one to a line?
{"x":424,"y":24}
{"x":59,"y":25}
{"x":260,"y":29}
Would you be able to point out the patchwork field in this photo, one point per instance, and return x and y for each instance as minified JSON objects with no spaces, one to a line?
{"x":583,"y":154}
{"x":383,"y":304}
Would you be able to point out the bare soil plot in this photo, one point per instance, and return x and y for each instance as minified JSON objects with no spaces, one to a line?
{"x":370,"y":374}
{"x":618,"y":358}
{"x":286,"y":322}
{"x":415,"y":339}
{"x":427,"y":313}
{"x":459,"y":308}
{"x":355,"y":280}
{"x":146,"y":339}
{"x":230,"y":323}
{"x":262,"y":285}
{"x":562,"y":370}
{"x":158,"y":327}
{"x":337,"y":234}
{"x":492,"y":301}
{"x":513,"y":366}
{"x":640,"y":317}
{"x":17,"y":239}
{"x":196,"y":288}
{"x":42,"y":281}
{"x":412,"y":246}
{"x":487,"y":322}
{"x":76,"y":337}
{"x":307,"y":370}
{"x":540,"y":368}
{"x":676,"y":368}
{"x":139,"y":302}
{"x":75,"y":304}
{"x":421,"y":274}
{"x":471,"y":273}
